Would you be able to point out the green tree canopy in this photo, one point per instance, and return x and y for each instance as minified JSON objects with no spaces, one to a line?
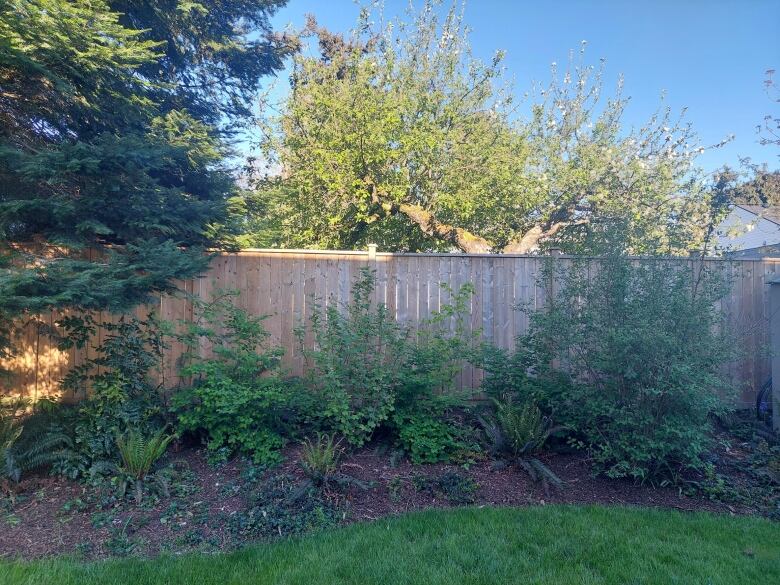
{"x":113,"y":121}
{"x":761,"y":187}
{"x":212,"y":54}
{"x":400,"y":136}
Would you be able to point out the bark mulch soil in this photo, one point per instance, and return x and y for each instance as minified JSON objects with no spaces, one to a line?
{"x":53,"y":516}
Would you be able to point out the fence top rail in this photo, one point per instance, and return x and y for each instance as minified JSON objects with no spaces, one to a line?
{"x":365,"y":253}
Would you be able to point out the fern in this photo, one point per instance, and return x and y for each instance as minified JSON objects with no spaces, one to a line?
{"x":525,"y":429}
{"x":320,"y":458}
{"x":46,"y":450}
{"x":520,"y":431}
{"x":23,"y":446}
{"x":139,"y":454}
{"x":10,"y":431}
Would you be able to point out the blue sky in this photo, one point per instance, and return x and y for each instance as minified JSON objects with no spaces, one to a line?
{"x":708,"y":55}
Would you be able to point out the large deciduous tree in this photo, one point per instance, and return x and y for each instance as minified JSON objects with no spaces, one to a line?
{"x":400,"y":136}
{"x":114,"y":119}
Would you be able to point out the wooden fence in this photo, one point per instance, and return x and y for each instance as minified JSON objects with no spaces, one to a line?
{"x":283,"y":284}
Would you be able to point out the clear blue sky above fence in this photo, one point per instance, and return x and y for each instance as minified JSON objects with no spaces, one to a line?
{"x":707,"y":55}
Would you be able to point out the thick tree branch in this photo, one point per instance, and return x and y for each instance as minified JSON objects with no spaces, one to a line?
{"x":470,"y":243}
{"x":528,"y":242}
{"x":462,"y":239}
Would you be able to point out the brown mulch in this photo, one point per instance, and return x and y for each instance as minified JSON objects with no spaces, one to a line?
{"x":53,"y":516}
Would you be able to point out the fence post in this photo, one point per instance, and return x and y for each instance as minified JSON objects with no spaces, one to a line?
{"x":774,"y":335}
{"x":554,"y":253}
{"x":376,"y":297}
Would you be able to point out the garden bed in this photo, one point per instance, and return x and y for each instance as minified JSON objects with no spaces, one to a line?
{"x":209,"y":506}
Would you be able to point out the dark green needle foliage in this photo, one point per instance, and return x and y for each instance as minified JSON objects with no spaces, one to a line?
{"x":114,"y":131}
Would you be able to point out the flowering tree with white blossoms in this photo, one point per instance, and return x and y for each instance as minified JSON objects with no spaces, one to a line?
{"x":398,"y":135}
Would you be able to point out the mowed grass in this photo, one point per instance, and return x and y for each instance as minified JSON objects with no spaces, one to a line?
{"x":550,"y":545}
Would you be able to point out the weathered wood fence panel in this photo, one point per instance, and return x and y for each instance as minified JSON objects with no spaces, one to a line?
{"x":284,"y":284}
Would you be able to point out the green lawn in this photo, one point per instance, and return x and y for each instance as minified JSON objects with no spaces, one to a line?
{"x":555,"y":545}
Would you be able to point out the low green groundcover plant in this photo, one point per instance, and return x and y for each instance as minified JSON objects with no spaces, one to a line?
{"x":551,"y":545}
{"x":280,"y":506}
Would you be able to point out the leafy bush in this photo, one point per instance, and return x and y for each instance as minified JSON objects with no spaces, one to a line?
{"x":357,"y":363}
{"x":426,"y":438}
{"x":371,"y":372}
{"x":120,"y":393}
{"x":628,"y":355}
{"x":423,"y":419}
{"x":238,"y":399}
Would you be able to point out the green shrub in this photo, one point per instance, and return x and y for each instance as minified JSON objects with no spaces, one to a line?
{"x":238,"y":400}
{"x":426,"y":438}
{"x":120,"y":394}
{"x":372,"y":372}
{"x":234,"y":417}
{"x":357,"y":363}
{"x":629,"y":356}
{"x":423,"y":419}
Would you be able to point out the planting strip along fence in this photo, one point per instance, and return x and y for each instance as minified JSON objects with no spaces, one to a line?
{"x":284,"y":285}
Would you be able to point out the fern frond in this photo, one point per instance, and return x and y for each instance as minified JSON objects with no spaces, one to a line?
{"x":139,"y":453}
{"x":10,"y":431}
{"x":44,"y":451}
{"x":529,"y":469}
{"x":10,"y":468}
